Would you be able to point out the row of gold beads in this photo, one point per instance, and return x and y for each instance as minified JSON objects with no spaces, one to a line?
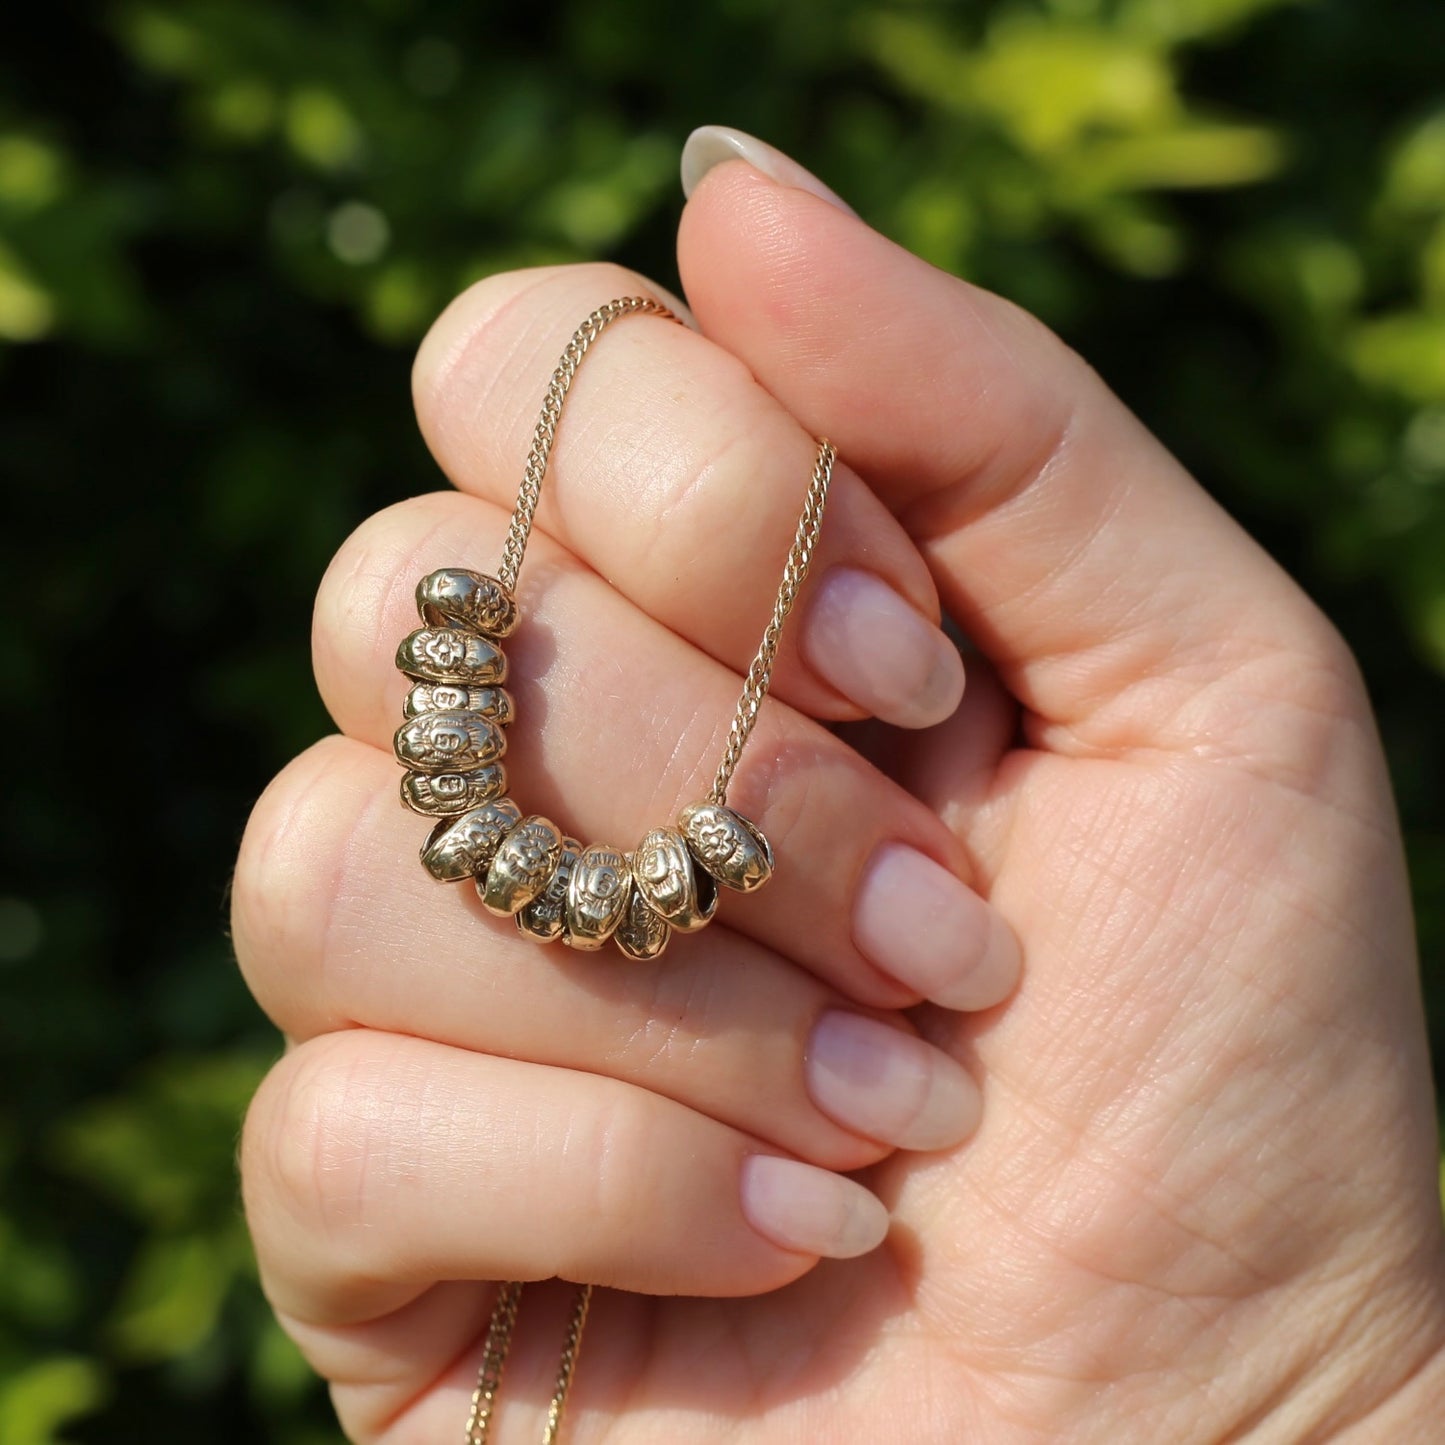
{"x":524,"y":867}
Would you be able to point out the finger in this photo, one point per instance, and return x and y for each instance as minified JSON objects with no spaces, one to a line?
{"x":619,"y":726}
{"x":332,"y":933}
{"x":1122,"y":606}
{"x":374,"y":1165}
{"x":680,"y":480}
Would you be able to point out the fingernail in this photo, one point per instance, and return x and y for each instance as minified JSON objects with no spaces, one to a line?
{"x":888,"y":1085}
{"x":917,"y":922}
{"x":711,"y":145}
{"x":860,"y":636}
{"x":810,"y":1210}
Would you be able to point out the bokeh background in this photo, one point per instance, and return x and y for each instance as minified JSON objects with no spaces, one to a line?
{"x":224,"y":225}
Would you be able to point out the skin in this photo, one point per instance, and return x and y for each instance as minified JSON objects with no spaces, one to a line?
{"x":1201,"y":1201}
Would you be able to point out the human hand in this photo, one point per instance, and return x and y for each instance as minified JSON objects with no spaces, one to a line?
{"x":1201,"y":1202}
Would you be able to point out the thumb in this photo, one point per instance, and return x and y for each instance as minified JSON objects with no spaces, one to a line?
{"x":1120,"y":604}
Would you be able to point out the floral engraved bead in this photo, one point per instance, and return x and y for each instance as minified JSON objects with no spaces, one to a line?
{"x":445,"y":654}
{"x":457,"y":597}
{"x":464,"y":847}
{"x":521,"y":867}
{"x":444,"y":648}
{"x":727,"y":845}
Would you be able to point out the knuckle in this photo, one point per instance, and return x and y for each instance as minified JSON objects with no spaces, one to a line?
{"x":484,"y":313}
{"x":610,"y":1165}
{"x":365,"y":603}
{"x":307,"y":1141}
{"x":287,"y":876}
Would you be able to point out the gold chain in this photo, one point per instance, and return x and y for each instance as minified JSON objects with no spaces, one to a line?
{"x":760,"y":674}
{"x":567,"y":1365}
{"x":545,"y":432}
{"x":494,"y":1359}
{"x":755,"y":689}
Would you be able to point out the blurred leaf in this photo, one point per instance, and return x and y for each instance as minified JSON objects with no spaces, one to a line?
{"x":1177,"y":21}
{"x":39,"y":1284}
{"x":165,"y":1150}
{"x":173,"y":1297}
{"x":1191,"y":154}
{"x":33,"y":174}
{"x":46,"y":1395}
{"x":1415,"y":176}
{"x":1405,"y":353}
{"x":27,"y":312}
{"x":322,"y":130}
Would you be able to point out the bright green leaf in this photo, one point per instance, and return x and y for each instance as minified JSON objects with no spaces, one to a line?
{"x":42,"y":1397}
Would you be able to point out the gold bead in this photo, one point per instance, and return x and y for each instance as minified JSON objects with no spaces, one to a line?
{"x":727,"y":845}
{"x":464,"y":847}
{"x":597,"y":895}
{"x":456,"y":597}
{"x":545,"y":917}
{"x":522,"y":866}
{"x":448,"y":794}
{"x":448,"y":742}
{"x":445,"y":654}
{"x":666,"y":878}
{"x":643,"y":933}
{"x":493,"y":703}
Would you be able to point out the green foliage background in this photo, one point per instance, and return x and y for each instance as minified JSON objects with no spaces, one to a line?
{"x":224,"y":224}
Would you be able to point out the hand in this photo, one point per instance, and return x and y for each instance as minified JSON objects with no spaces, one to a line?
{"x":1201,"y":1204}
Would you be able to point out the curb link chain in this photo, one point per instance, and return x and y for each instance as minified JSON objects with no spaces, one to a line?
{"x":504,"y":1312}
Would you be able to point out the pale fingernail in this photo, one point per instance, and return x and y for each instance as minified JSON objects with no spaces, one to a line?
{"x":888,"y":1085}
{"x":860,"y":636}
{"x":920,"y":924}
{"x":711,"y":145}
{"x":800,"y":1207}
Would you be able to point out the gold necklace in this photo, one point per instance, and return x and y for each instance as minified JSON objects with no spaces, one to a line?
{"x":525,"y":867}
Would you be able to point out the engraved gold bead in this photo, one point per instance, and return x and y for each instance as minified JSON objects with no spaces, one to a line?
{"x":446,"y":654}
{"x":727,"y":845}
{"x":666,"y":877}
{"x":643,"y":933}
{"x":458,"y":597}
{"x":464,"y":847}
{"x":447,"y":794}
{"x":522,"y":866}
{"x":493,"y":703}
{"x":544,"y":919}
{"x":597,"y":895}
{"x":448,"y":742}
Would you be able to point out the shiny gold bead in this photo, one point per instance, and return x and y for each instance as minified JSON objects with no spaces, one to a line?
{"x":668,"y":880}
{"x":643,"y":933}
{"x":448,"y":742}
{"x":545,"y":917}
{"x":597,"y":895}
{"x":522,"y":866}
{"x":445,"y":654}
{"x":493,"y":703}
{"x":727,"y":845}
{"x":447,"y":794}
{"x":464,"y":847}
{"x":456,"y":597}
